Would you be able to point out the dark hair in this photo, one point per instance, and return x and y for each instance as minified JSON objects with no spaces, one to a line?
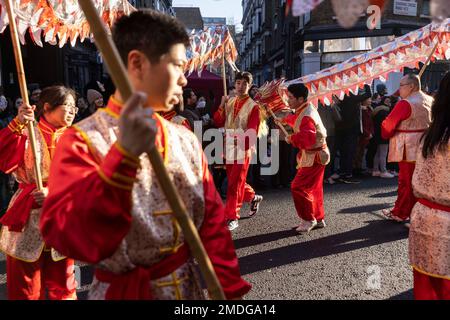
{"x":244,"y":75}
{"x":150,"y":32}
{"x":299,"y":90}
{"x":438,"y":134}
{"x":54,"y":96}
{"x":187,"y":95}
{"x":230,"y":88}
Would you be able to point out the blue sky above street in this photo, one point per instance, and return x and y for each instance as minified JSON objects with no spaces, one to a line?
{"x":230,"y":9}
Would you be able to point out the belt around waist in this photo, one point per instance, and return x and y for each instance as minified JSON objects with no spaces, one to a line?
{"x":433,"y":205}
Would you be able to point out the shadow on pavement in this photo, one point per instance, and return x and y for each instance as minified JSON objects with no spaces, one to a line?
{"x":384,"y":194}
{"x":407,"y":295}
{"x":374,"y":233}
{"x":367,"y":208}
{"x":263,"y":238}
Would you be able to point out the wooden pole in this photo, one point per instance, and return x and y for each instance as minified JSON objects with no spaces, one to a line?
{"x":119,"y":76}
{"x":224,"y":76}
{"x":23,"y":90}
{"x":428,"y":60}
{"x":276,"y":120}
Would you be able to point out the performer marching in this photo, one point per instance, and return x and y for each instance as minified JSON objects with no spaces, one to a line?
{"x":241,"y":118}
{"x":429,"y":234}
{"x":310,"y":138}
{"x":404,"y":126}
{"x":33,"y":266}
{"x":124,"y":224}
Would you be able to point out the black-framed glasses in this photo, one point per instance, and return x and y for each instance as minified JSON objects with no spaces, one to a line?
{"x":70,"y":107}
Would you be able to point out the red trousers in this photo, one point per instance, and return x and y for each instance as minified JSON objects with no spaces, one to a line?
{"x":307,"y":191}
{"x":405,"y":198}
{"x":28,"y":280}
{"x":238,"y":190}
{"x":430,"y":288}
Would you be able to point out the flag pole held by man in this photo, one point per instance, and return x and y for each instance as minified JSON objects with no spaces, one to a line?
{"x":124,"y":224}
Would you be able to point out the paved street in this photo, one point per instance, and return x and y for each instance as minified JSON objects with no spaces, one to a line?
{"x":341,"y":261}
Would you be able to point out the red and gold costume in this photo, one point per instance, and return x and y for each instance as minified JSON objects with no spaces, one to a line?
{"x":32,"y":267}
{"x":239,"y":114}
{"x":310,"y":138}
{"x":404,"y":127}
{"x":172,"y":116}
{"x":429,"y":233}
{"x":124,"y":224}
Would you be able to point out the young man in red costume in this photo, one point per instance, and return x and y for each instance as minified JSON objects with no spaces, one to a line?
{"x":240,"y":116}
{"x":32,"y":266}
{"x":105,"y":205}
{"x":404,"y":126}
{"x":310,"y":138}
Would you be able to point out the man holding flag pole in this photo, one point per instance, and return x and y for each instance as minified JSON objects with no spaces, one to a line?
{"x":242,"y":119}
{"x":125,"y":224}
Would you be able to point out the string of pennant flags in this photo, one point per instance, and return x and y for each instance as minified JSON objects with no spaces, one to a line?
{"x":59,"y":21}
{"x":209,"y":47}
{"x":407,"y":51}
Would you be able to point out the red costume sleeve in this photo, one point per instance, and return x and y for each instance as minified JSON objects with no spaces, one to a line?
{"x":290,"y":120}
{"x":401,"y":111}
{"x":87,"y":212}
{"x":12,"y":146}
{"x":219,"y":117}
{"x":306,"y":137}
{"x":218,"y":242}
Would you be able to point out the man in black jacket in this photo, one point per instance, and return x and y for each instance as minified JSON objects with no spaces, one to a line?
{"x":348,"y":132}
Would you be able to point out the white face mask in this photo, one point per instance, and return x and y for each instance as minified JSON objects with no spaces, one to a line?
{"x":201,"y":104}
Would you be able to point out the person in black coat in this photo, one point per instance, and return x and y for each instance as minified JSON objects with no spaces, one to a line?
{"x":348,"y":132}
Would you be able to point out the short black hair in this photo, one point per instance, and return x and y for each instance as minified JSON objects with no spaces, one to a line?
{"x":299,"y":90}
{"x":187,"y":92}
{"x":247,"y":76}
{"x":150,"y":32}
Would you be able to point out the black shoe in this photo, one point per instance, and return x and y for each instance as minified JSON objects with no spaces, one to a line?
{"x":254,"y":205}
{"x":349,"y":180}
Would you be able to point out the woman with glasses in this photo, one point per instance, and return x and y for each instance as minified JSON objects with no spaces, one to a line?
{"x":33,"y":267}
{"x":429,"y":233}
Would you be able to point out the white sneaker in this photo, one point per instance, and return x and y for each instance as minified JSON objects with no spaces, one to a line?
{"x":394,"y":173}
{"x":330,"y":180}
{"x":386,"y":175}
{"x":335,"y":176}
{"x":320,"y":224}
{"x":306,"y":226}
{"x":376,"y":173}
{"x":232,"y":224}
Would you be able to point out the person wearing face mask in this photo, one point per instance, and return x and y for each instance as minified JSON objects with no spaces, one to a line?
{"x":32,"y":266}
{"x":202,"y":110}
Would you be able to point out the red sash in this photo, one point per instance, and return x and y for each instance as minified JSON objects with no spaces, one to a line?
{"x":18,"y":214}
{"x":135,"y":285}
{"x":433,"y":205}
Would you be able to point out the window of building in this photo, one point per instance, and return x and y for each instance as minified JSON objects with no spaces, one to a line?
{"x":425,"y":9}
